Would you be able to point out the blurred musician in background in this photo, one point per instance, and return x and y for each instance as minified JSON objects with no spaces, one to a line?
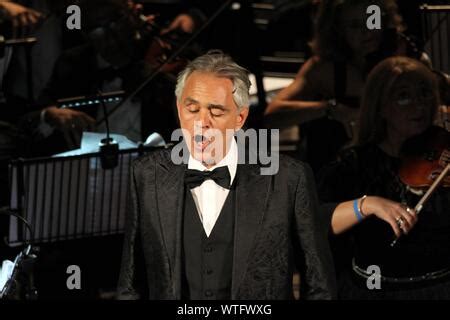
{"x":324,"y":97}
{"x":113,"y":59}
{"x":22,"y":19}
{"x":118,"y":54}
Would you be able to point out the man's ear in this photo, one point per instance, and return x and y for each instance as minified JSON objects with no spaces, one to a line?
{"x":241,"y":117}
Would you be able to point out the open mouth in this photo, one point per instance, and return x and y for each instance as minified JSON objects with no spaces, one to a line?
{"x":201,"y":141}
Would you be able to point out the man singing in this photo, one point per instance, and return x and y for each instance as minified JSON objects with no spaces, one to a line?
{"x":213,"y":228}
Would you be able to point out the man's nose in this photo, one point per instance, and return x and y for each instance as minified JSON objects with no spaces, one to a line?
{"x":204,"y":117}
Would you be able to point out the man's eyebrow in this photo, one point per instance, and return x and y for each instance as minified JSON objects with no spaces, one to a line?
{"x":216,"y":106}
{"x":190,"y":100}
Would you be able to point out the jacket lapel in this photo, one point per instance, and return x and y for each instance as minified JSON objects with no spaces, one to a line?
{"x":252,"y":192}
{"x":252,"y":196}
{"x":170,"y":194}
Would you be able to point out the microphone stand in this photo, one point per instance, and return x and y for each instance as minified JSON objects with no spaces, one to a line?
{"x":109,"y":148}
{"x":175,"y":54}
{"x":23,"y":267}
{"x":23,"y":271}
{"x":27,"y":43}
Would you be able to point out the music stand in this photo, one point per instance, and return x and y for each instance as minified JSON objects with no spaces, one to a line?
{"x":69,"y":197}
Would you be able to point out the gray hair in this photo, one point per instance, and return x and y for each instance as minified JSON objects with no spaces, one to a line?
{"x":221,"y":65}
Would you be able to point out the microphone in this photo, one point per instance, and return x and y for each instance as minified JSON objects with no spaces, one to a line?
{"x":109,"y":148}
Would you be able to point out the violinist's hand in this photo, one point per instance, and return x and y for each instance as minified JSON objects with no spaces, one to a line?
{"x":401,"y":218}
{"x":183,"y":22}
{"x":70,"y":122}
{"x":23,"y":19}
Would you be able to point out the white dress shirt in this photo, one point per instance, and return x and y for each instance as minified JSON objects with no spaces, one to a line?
{"x":209,"y":197}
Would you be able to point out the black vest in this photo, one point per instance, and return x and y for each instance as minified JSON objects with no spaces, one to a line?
{"x":207,"y":261}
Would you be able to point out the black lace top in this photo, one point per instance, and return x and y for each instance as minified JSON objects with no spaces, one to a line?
{"x":368,"y":170}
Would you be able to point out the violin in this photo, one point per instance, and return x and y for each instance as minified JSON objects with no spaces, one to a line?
{"x":421,"y":169}
{"x":159,"y":51}
{"x":161,"y":46}
{"x":429,"y":169}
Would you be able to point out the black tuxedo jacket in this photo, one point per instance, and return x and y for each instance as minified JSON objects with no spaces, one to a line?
{"x":278,"y":227}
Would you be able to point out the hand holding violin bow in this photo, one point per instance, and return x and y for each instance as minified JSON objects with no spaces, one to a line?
{"x":426,"y":171}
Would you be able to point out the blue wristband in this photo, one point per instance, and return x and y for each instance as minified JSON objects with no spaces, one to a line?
{"x":356,"y":210}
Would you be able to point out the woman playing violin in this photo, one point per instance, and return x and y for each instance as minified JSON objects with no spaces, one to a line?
{"x":398,"y":107}
{"x":325,"y":95}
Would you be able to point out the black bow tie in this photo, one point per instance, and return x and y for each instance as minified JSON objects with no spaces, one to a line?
{"x":221,"y":176}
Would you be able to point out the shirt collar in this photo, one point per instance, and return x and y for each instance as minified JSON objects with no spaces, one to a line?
{"x":230,"y":160}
